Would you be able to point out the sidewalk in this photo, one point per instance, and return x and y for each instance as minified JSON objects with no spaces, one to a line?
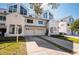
{"x":76,"y":48}
{"x":75,"y":45}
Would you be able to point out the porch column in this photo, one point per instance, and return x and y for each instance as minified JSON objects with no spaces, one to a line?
{"x":7,"y":30}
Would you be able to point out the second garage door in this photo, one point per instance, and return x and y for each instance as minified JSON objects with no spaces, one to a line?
{"x":30,"y":31}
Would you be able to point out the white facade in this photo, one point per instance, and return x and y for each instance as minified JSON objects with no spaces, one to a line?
{"x":53,"y":27}
{"x":17,"y":15}
{"x":68,"y":20}
{"x":14,"y":19}
{"x":35,"y":28}
{"x":30,"y":11}
{"x":62,"y":27}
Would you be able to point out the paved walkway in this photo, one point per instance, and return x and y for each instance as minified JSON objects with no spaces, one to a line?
{"x":72,"y":36}
{"x":75,"y":45}
{"x":76,"y":48}
{"x":37,"y":46}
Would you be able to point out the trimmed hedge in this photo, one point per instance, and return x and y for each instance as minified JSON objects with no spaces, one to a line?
{"x":10,"y":38}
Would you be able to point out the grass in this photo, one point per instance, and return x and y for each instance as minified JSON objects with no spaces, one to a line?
{"x":61,"y":37}
{"x":76,"y":40}
{"x":10,"y":47}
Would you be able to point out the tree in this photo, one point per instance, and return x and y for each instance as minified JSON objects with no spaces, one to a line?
{"x":38,"y":9}
{"x":54,"y":5}
{"x":75,"y":26}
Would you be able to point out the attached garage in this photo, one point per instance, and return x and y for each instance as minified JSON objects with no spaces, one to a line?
{"x":35,"y":31}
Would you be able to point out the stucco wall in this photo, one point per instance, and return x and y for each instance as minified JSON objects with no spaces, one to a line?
{"x":16,"y":19}
{"x":53,"y":24}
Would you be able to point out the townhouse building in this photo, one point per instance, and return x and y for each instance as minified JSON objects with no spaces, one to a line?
{"x":61,"y":26}
{"x":22,"y":18}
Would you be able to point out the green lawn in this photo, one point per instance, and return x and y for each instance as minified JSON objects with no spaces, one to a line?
{"x":76,"y":40}
{"x":12,"y":48}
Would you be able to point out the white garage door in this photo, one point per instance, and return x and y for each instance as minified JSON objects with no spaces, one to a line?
{"x":35,"y":32}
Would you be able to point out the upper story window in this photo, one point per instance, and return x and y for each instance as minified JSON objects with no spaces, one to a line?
{"x":23,"y":11}
{"x":40,"y":22}
{"x":31,"y":6}
{"x":29,"y":21}
{"x":13,"y":8}
{"x":45,"y":15}
{"x":30,"y":15}
{"x":71,"y":20}
{"x":50,"y":16}
{"x":2,"y":18}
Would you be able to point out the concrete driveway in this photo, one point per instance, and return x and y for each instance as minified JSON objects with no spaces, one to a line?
{"x":37,"y":46}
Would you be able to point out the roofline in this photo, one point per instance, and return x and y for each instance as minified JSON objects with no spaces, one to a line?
{"x":65,"y":17}
{"x":36,"y":18}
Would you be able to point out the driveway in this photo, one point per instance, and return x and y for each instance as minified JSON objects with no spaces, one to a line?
{"x":38,"y":46}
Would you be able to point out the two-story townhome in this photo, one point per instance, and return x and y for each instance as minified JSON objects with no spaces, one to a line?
{"x":22,"y":16}
{"x":3,"y":13}
{"x":67,"y":21}
{"x":61,"y":26}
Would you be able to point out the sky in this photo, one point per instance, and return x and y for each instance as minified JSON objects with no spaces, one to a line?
{"x":64,"y":10}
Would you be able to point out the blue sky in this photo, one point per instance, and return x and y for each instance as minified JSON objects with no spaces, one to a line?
{"x":65,"y":9}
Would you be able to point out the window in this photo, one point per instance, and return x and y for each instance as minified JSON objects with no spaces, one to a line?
{"x":23,"y":11}
{"x":40,"y":22}
{"x":19,"y":29}
{"x":45,"y":15}
{"x":13,"y":8}
{"x":5,"y":12}
{"x":69,"y":19}
{"x":29,"y":21}
{"x":50,"y":16}
{"x":30,"y":15}
{"x":72,"y":20}
{"x":12,"y":29}
{"x":51,"y":29}
{"x":31,"y":6}
{"x":2,"y":18}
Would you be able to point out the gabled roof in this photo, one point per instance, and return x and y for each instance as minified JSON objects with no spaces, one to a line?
{"x":67,"y":17}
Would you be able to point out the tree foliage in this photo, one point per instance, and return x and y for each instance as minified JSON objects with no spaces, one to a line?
{"x":38,"y":9}
{"x":75,"y":26}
